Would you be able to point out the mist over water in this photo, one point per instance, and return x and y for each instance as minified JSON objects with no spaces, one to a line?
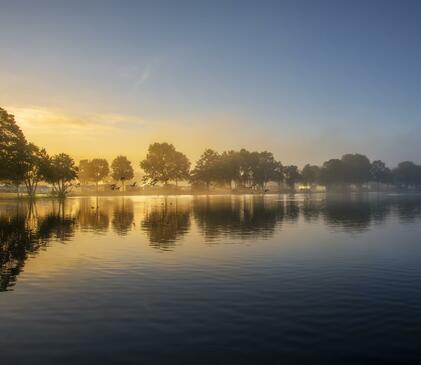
{"x":200,"y":279}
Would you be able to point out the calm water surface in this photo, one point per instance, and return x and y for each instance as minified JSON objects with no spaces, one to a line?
{"x":207,"y":280}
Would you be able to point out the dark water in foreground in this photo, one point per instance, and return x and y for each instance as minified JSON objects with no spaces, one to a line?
{"x":207,"y":280}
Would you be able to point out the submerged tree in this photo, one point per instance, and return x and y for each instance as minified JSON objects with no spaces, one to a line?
{"x":61,"y":172}
{"x":122,"y":170}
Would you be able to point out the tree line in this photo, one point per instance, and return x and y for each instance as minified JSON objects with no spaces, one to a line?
{"x":24,"y":164}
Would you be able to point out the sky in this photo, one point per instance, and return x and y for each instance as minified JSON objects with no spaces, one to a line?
{"x":306,"y":80}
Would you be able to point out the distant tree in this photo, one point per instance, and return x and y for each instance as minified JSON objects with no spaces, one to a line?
{"x":278,"y":174}
{"x":292,"y":176}
{"x":122,"y":170}
{"x":357,"y":169}
{"x":98,"y":170}
{"x":310,"y":174}
{"x":407,"y":174}
{"x":181,"y":167}
{"x":36,"y":167}
{"x":230,"y":168}
{"x":61,"y":172}
{"x":332,"y":173}
{"x":264,"y":168}
{"x":84,"y":171}
{"x":379,"y":172}
{"x":206,"y":169}
{"x":163,"y":164}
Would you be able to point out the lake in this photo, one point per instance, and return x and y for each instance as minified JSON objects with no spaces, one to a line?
{"x":292,"y":279}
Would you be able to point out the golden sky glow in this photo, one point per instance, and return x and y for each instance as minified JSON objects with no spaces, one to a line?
{"x":89,"y":135}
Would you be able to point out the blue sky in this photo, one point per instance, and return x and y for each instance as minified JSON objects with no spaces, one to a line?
{"x":308,"y":80}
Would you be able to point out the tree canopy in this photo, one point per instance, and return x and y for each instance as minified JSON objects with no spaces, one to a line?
{"x":163,"y":164}
{"x":122,"y":169}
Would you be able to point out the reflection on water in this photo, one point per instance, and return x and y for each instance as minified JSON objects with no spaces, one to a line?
{"x":165,"y":223}
{"x":212,"y":279}
{"x":24,"y":232}
{"x":25,"y":228}
{"x":122,"y":216}
{"x":237,"y":217}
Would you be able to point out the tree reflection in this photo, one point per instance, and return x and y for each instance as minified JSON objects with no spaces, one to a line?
{"x":93,"y":216}
{"x":24,"y":233}
{"x":26,"y":227}
{"x":237,"y":217}
{"x":165,"y":224}
{"x":123,"y":215}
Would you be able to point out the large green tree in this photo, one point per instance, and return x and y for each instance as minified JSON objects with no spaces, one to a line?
{"x":122,"y":170}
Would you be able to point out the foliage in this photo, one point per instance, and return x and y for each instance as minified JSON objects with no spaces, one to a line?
{"x":61,"y":172}
{"x":310,"y":174}
{"x":98,"y":170}
{"x":379,"y":172}
{"x":122,"y":169}
{"x":292,"y":176}
{"x":36,"y":168}
{"x":163,"y":164}
{"x":12,"y":149}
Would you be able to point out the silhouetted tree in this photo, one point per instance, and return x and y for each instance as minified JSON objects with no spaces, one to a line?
{"x":207,"y":168}
{"x":407,"y":174}
{"x":84,"y":171}
{"x":37,"y":164}
{"x":12,"y":144}
{"x":163,"y":164}
{"x":61,"y":172}
{"x":181,"y":167}
{"x":98,"y":170}
{"x":310,"y":174}
{"x":357,"y":169}
{"x":264,"y":168}
{"x":122,"y":170}
{"x":292,"y":176}
{"x":332,"y":173}
{"x":379,"y":172}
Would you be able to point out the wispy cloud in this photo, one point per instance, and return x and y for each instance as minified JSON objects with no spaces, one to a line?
{"x":41,"y":118}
